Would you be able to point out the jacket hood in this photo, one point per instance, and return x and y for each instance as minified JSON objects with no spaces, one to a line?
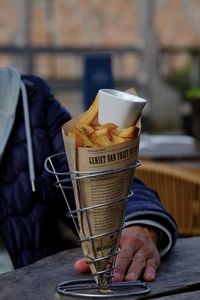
{"x":9,"y":95}
{"x":10,"y":86}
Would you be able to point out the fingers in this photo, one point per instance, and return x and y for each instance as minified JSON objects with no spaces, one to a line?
{"x":149,"y":273}
{"x":123,"y":260}
{"x":151,"y":268}
{"x":139,"y":256}
{"x":136,"y":267}
{"x":82,"y":266}
{"x":140,"y":265}
{"x":133,"y":267}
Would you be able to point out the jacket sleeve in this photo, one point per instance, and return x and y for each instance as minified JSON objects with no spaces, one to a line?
{"x":145,"y":208}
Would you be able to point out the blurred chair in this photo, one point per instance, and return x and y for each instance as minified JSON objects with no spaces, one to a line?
{"x":179,"y":191}
{"x":97,"y":75}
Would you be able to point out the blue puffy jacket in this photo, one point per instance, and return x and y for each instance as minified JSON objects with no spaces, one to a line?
{"x":29,"y":220}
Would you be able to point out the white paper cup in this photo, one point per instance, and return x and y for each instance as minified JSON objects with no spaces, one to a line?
{"x":120,"y":108}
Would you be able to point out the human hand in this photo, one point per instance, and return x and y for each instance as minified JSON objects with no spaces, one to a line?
{"x":139,"y":256}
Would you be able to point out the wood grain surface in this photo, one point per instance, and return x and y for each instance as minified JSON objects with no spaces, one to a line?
{"x":177,"y":278}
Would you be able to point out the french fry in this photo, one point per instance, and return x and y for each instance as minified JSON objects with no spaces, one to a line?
{"x":88,"y":129}
{"x":131,"y":91}
{"x":129,"y":133}
{"x":101,"y":140}
{"x":78,"y":140}
{"x":117,"y":139}
{"x":90,"y":115}
{"x":100,"y":131}
{"x":82,"y":137}
{"x":110,"y":128}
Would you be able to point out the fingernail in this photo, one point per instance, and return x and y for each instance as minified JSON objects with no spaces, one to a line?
{"x":117,"y":275}
{"x":131,"y":276}
{"x":149,"y":276}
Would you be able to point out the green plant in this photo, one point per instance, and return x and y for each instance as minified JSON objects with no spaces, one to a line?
{"x":193,"y":93}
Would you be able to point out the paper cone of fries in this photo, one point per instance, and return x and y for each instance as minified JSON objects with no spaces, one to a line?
{"x":101,"y":157}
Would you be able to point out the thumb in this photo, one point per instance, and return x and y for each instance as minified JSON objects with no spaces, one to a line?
{"x":82,"y":266}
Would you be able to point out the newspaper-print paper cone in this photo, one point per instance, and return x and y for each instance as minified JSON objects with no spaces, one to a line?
{"x":100,"y":226}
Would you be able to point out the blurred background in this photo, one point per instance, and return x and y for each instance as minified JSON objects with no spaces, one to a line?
{"x":79,"y":46}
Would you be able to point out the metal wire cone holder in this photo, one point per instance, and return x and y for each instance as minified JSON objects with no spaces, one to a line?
{"x":102,"y":287}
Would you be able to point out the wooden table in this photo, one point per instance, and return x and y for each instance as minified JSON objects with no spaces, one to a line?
{"x":177,"y":278}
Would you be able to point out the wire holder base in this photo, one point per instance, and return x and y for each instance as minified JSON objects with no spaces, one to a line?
{"x":88,"y":288}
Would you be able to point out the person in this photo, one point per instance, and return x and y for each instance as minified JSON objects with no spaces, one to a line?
{"x":33,"y":211}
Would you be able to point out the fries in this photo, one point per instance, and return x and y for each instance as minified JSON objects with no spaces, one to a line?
{"x":90,"y":115}
{"x":88,"y":133}
{"x":130,"y":132}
